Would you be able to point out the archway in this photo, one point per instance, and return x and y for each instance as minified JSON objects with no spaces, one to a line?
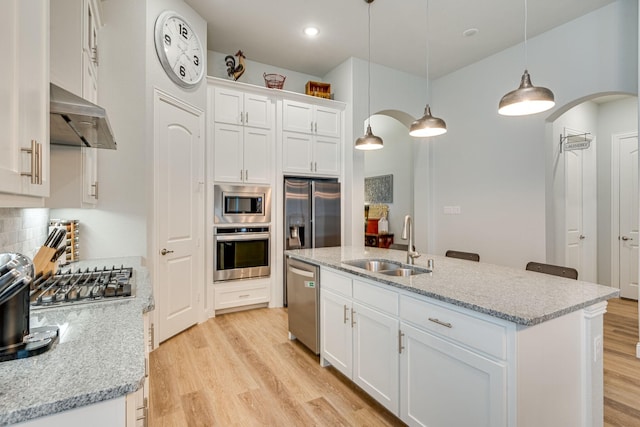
{"x":586,"y":159}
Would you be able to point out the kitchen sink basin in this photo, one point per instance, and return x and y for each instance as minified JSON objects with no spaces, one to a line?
{"x":387,"y":267}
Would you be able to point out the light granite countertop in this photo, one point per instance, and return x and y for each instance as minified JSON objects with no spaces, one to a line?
{"x":523,"y":297}
{"x":99,"y":356}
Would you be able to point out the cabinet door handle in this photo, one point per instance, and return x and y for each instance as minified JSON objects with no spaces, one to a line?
{"x":345,"y":315}
{"x":400,"y":346}
{"x":39,"y":156}
{"x":353,"y":317}
{"x":315,"y":166}
{"x":33,"y":151}
{"x":311,"y":127}
{"x":246,"y":174}
{"x":246,"y":118}
{"x":311,"y":166}
{"x":241,"y":118}
{"x":315,"y":126}
{"x":95,"y":190}
{"x":440,"y":322}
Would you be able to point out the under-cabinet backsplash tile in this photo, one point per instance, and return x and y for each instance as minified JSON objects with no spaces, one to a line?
{"x":23,"y":230}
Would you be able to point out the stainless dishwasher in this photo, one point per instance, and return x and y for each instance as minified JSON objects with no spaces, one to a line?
{"x":303,"y":293}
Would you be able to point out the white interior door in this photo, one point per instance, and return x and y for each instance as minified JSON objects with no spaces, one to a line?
{"x":574,"y":211}
{"x":628,"y":214}
{"x":179,"y":214}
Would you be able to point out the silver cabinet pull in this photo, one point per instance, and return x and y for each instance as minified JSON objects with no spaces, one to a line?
{"x":246,"y":174}
{"x":246,"y":118}
{"x":625,"y":238}
{"x":311,"y":127}
{"x":164,"y":251}
{"x":353,"y":317}
{"x":311,"y":166}
{"x":316,"y":127}
{"x":95,"y":190}
{"x":241,"y":118}
{"x":440,"y":322}
{"x":315,"y":166}
{"x":345,"y":315}
{"x":36,"y":162}
{"x":400,"y":346}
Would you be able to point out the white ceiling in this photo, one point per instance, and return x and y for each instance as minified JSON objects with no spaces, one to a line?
{"x":270,"y":31}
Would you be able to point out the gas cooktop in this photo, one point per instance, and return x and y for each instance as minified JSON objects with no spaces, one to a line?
{"x":81,"y":286}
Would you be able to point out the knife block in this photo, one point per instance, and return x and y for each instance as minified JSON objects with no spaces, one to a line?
{"x":42,"y":261}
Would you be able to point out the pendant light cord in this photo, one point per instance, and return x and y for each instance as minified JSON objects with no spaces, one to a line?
{"x":526,"y":56}
{"x":369,"y":69}
{"x":428,"y":88}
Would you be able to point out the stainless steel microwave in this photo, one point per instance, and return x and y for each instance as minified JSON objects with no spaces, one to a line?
{"x":241,"y":204}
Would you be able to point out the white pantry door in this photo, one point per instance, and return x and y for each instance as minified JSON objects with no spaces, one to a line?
{"x":179,"y":174}
{"x":628,"y":203}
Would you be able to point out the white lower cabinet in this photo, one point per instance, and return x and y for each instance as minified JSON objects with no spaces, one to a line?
{"x":335,"y":329}
{"x":429,"y":365}
{"x":376,"y":356}
{"x":446,"y":385}
{"x":137,"y":403}
{"x":239,"y":293}
{"x":359,"y":340}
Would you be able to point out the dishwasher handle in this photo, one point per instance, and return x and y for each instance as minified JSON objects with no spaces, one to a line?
{"x":303,"y":273}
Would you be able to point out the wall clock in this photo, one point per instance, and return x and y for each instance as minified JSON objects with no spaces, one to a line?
{"x":179,"y":49}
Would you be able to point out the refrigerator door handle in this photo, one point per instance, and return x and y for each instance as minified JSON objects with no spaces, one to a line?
{"x":301,"y":272}
{"x":313,"y":214}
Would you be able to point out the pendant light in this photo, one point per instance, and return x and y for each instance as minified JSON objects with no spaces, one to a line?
{"x":369,"y":141}
{"x":428,"y":125}
{"x":527,"y":99}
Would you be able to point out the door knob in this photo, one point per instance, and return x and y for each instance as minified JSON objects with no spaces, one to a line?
{"x":625,"y":238}
{"x":582,"y":237}
{"x":164,"y":251}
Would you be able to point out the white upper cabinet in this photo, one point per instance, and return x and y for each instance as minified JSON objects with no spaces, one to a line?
{"x":24,"y":103}
{"x":241,"y":108}
{"x":243,"y":123}
{"x":311,"y":119}
{"x":74,"y":67}
{"x":311,"y":139}
{"x":74,"y":46}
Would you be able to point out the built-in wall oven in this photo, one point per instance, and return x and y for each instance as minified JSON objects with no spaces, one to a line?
{"x":242,"y":235}
{"x":241,"y":252}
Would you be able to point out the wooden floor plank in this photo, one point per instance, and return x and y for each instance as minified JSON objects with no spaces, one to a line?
{"x":240,"y":369}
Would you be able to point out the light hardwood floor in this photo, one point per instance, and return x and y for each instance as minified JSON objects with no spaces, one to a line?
{"x":240,"y":369}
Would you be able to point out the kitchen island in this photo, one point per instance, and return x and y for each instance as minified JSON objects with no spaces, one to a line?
{"x":465,"y":344}
{"x":98,"y":360}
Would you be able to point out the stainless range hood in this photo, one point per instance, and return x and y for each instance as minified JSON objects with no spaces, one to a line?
{"x":77,"y":122}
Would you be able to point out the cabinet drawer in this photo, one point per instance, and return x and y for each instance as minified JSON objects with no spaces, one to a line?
{"x":237,"y":295}
{"x":376,"y":296}
{"x":335,"y":282}
{"x":468,"y":330}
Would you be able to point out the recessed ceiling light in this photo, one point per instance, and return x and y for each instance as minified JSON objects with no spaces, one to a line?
{"x":311,"y":31}
{"x":470,"y":32}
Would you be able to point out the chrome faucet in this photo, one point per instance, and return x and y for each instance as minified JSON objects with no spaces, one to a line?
{"x":407,"y":233}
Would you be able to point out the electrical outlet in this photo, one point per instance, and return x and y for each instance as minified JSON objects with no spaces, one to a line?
{"x":451,"y":210}
{"x":597,"y":348}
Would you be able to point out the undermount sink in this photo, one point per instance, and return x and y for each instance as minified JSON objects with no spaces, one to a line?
{"x":389,"y":268}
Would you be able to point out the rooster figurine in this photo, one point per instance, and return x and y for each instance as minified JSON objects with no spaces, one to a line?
{"x":234,"y":70}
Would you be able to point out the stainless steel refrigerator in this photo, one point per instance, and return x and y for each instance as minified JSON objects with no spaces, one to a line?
{"x":311,"y":213}
{"x":311,"y":220}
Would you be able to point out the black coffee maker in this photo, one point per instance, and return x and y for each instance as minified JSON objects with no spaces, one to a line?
{"x":17,"y":340}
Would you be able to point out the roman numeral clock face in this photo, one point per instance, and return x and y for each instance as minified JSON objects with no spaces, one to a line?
{"x":179,"y":49}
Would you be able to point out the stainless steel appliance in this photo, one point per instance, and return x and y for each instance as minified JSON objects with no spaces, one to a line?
{"x":241,"y":252}
{"x":241,"y":204}
{"x":88,"y":286}
{"x":17,"y":340}
{"x":311,"y":215}
{"x":303,"y":289}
